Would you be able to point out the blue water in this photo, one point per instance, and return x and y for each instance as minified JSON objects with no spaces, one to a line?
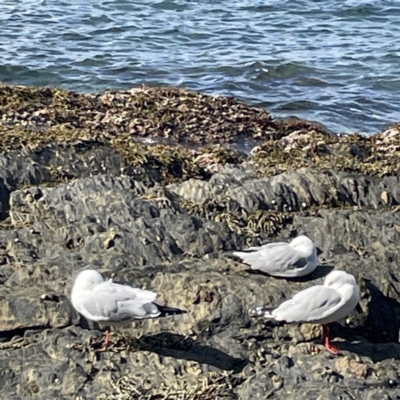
{"x":335,"y":62}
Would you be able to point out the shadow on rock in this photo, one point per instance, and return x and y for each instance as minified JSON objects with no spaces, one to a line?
{"x":375,"y":326}
{"x":381,"y":319}
{"x":377,"y":352}
{"x":177,"y":346}
{"x":4,"y":200}
{"x":320,"y":272}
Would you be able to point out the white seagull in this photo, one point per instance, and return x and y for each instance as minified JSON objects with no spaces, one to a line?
{"x":109,"y":303}
{"x":287,"y":260}
{"x":321,"y":304}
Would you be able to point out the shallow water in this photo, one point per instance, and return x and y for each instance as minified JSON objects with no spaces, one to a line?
{"x":334,"y":62}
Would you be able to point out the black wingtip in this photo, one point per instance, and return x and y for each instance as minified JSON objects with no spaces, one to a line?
{"x":169,"y":311}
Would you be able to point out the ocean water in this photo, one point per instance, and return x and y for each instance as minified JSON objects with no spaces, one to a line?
{"x":335,"y":62}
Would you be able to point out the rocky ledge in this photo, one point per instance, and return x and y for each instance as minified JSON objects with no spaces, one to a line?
{"x":156,"y":187}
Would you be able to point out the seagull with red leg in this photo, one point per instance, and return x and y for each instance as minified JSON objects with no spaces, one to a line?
{"x":109,"y":303}
{"x":321,"y":304}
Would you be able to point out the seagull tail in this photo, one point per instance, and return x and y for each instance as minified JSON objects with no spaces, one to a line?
{"x":265,"y":312}
{"x":239,"y":254}
{"x":166,"y":311}
{"x":245,"y":258}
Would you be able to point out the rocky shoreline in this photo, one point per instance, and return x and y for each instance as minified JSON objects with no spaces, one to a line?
{"x":156,"y":187}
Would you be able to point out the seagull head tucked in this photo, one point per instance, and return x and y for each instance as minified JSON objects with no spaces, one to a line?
{"x":303,"y":244}
{"x":336,"y":279}
{"x":87,"y":280}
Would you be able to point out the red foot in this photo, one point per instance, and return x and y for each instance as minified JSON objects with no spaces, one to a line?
{"x":106,"y":341}
{"x":327,"y":341}
{"x":332,"y":349}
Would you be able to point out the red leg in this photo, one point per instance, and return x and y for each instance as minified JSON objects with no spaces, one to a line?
{"x":106,"y":340}
{"x":327,"y":341}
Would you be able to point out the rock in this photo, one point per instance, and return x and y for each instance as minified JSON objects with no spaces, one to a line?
{"x":167,"y":219}
{"x":288,"y":191}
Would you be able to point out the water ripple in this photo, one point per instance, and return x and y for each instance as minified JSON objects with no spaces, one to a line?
{"x":334,"y":62}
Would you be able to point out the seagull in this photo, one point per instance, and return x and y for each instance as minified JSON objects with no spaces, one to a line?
{"x":321,"y":304}
{"x":109,"y":303}
{"x":281,"y":259}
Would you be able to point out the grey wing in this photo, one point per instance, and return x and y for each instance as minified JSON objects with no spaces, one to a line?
{"x":136,"y":304}
{"x":311,"y":304}
{"x":113,"y":302}
{"x":98,"y":306}
{"x":280,"y":260}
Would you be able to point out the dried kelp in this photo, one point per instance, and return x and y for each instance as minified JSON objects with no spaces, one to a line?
{"x":377,"y":155}
{"x":215,"y":385}
{"x":33,"y":118}
{"x":177,"y":114}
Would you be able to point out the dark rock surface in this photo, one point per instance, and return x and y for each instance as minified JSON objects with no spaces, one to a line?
{"x":66,"y":205}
